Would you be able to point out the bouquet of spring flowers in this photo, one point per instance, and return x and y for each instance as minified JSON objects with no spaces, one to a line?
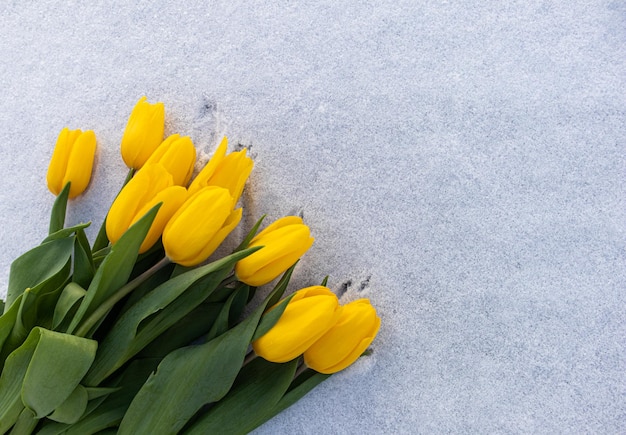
{"x":138,"y":333}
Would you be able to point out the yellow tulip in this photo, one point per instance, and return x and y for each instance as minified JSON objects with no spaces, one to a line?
{"x":227,"y":171}
{"x":72,"y":161}
{"x":177,"y":155}
{"x":284,"y":242}
{"x":150,"y":186}
{"x":200,"y":226}
{"x":143,"y":134}
{"x":346,"y":340}
{"x":309,"y":314}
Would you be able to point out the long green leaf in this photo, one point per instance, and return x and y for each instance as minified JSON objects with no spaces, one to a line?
{"x":72,"y":408}
{"x":35,"y":309}
{"x":67,"y":302}
{"x":191,"y":327}
{"x":65,"y":232}
{"x":7,"y":323}
{"x":107,"y":412}
{"x":233,"y":306}
{"x":127,"y":338}
{"x":256,"y":392}
{"x":84,"y":268}
{"x":42,"y":373}
{"x":25,"y":423}
{"x":58,"y":364}
{"x":115,"y":269}
{"x":59,"y":208}
{"x":299,"y":387}
{"x":37,"y":265}
{"x":189,"y":378}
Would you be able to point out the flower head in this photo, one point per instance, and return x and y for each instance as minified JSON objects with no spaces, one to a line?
{"x":150,"y":186}
{"x":143,"y":133}
{"x":200,"y":226}
{"x":177,"y":155}
{"x":227,"y":171}
{"x":342,"y":344}
{"x":72,"y":161}
{"x":283,"y":243}
{"x":309,"y":314}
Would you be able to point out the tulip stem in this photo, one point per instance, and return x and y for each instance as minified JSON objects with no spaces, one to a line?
{"x":106,"y":306}
{"x":300,"y":370}
{"x":249,"y":357}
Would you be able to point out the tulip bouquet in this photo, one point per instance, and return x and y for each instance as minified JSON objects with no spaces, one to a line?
{"x":143,"y":331}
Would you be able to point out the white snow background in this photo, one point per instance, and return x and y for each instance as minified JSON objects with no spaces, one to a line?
{"x":462,"y":164}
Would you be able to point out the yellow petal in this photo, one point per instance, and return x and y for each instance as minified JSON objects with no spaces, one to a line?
{"x":141,"y":189}
{"x":171,"y":199}
{"x":346,"y":341}
{"x":282,"y":245}
{"x":80,"y":163}
{"x":300,"y":325}
{"x":143,"y":133}
{"x":59,"y":159}
{"x":196,"y":223}
{"x":202,"y":178}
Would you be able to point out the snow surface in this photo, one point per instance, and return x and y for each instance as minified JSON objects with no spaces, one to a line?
{"x":462,"y":164}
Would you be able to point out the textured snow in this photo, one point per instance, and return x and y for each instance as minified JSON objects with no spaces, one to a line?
{"x":462,"y":164}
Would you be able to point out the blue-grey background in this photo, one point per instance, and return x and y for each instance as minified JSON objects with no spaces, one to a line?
{"x":460,"y":163}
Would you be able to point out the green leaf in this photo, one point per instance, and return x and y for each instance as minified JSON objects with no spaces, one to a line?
{"x":67,"y":303}
{"x":115,"y":269}
{"x":189,"y":378}
{"x":246,"y":241}
{"x":57,"y":216}
{"x":84,"y":268}
{"x":73,"y":408}
{"x":10,"y":385}
{"x":107,"y":412}
{"x":7,"y":322}
{"x":97,"y":392}
{"x":233,"y":305}
{"x":298,"y":388}
{"x":156,"y":312}
{"x":35,"y":309}
{"x":38,"y":302}
{"x":102,"y":240}
{"x":37,"y":265}
{"x":42,"y":373}
{"x":58,"y":364}
{"x":257,"y":390}
{"x":191,"y":327}
{"x":65,"y":232}
{"x":25,"y":423}
{"x":270,"y":318}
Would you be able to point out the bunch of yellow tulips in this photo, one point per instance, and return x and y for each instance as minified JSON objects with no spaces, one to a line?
{"x":143,"y":331}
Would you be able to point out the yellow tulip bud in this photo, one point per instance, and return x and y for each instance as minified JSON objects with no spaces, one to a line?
{"x":177,"y":155}
{"x":309,"y":314}
{"x":72,"y":161}
{"x":346,"y":340}
{"x":227,"y":171}
{"x":284,"y":242}
{"x":150,"y":186}
{"x":143,"y":134}
{"x":200,"y":226}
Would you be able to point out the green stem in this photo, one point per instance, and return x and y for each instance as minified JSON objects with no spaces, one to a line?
{"x":104,"y":308}
{"x":300,"y":370}
{"x":249,"y":357}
